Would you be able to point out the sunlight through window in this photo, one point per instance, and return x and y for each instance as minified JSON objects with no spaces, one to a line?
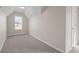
{"x":18,"y":22}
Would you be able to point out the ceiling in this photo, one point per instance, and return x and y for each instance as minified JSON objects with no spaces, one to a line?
{"x":29,"y":11}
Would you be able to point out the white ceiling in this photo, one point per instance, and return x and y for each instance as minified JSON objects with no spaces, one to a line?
{"x":29,"y":11}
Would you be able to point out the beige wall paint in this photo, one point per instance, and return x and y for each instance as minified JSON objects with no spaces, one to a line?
{"x":78,"y":24}
{"x":2,"y":29}
{"x":50,"y":27}
{"x":11,"y":27}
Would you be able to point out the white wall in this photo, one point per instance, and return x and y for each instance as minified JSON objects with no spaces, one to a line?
{"x":68,"y":28}
{"x":50,"y":27}
{"x":2,"y":29}
{"x":33,"y":11}
{"x":11,"y":24}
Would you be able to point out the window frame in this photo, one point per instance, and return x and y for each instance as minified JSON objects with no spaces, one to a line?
{"x":18,"y":22}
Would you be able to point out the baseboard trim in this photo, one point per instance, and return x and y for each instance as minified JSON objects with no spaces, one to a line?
{"x":67,"y":51}
{"x":48,"y":44}
{"x":16,"y":35}
{"x":3,"y":44}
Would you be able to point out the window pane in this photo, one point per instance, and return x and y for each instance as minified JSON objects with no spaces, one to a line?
{"x":18,"y":23}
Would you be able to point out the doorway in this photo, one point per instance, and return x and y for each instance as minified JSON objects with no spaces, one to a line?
{"x":74,"y":26}
{"x":71,"y":27}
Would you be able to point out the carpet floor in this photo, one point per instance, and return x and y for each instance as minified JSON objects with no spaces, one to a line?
{"x":25,"y":44}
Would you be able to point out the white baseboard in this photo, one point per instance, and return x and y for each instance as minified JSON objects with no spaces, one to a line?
{"x":16,"y":35}
{"x":67,"y":51}
{"x":48,"y":44}
{"x":3,"y":44}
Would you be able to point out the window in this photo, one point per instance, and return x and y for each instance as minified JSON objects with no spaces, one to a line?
{"x":18,"y":22}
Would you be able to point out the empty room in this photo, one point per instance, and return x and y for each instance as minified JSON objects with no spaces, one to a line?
{"x":38,"y":29}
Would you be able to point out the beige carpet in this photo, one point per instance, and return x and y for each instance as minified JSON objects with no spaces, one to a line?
{"x":25,"y":44}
